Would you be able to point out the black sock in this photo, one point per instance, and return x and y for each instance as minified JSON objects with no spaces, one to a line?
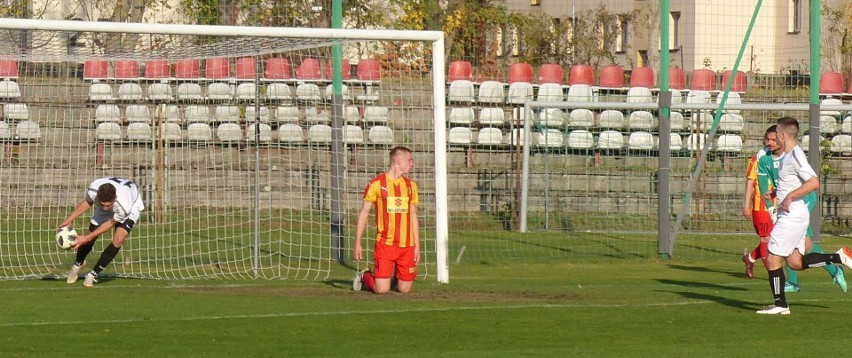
{"x":106,"y":257}
{"x":82,"y":252}
{"x":776,"y":283}
{"x":818,"y":260}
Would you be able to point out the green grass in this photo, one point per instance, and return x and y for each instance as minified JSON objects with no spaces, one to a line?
{"x":593,"y":305}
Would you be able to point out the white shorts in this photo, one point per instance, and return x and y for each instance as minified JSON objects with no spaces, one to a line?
{"x":789,"y":231}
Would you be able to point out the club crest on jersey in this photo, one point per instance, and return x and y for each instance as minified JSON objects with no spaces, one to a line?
{"x":397,"y":205}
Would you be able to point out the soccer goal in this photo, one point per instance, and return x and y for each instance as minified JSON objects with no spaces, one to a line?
{"x":251,"y":146}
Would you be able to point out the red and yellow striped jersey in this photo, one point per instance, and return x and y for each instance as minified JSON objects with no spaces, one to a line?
{"x":751,"y":174}
{"x":392,"y":199}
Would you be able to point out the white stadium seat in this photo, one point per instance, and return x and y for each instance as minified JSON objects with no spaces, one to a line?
{"x":729,"y":143}
{"x":827,"y":124}
{"x":229,"y":132}
{"x":100,"y":92}
{"x":641,"y":120}
{"x":376,"y":114}
{"x":580,"y":139}
{"x":5,"y":131}
{"x":189,"y":91}
{"x":16,"y":112}
{"x":197,"y":114}
{"x":489,"y":136}
{"x":287,"y":114}
{"x":459,"y":135}
{"x":137,"y":113}
{"x":251,"y":114}
{"x":278,"y":92}
{"x":9,"y":89}
{"x":28,"y":130}
{"x":491,"y":92}
{"x":460,"y":91}
{"x":380,"y":135}
{"x":103,"y":113}
{"x":579,"y":93}
{"x":461,"y":116}
{"x":319,"y":133}
{"x":353,"y":134}
{"x":159,"y":92}
{"x":171,"y":132}
{"x":199,"y":132}
{"x":139,"y":131}
{"x":107,"y":131}
{"x":641,"y":141}
{"x":731,"y":122}
{"x":265,"y":133}
{"x":611,"y":119}
{"x":639,"y":95}
{"x":841,"y":144}
{"x":550,"y":92}
{"x":581,"y":118}
{"x":551,"y":138}
{"x":695,"y":141}
{"x":219,"y":91}
{"x":290,"y":133}
{"x":129,"y":91}
{"x":519,"y":93}
{"x":551,"y":117}
{"x":610,"y":139}
{"x":226,"y":113}
{"x":308,"y":92}
{"x":491,"y":116}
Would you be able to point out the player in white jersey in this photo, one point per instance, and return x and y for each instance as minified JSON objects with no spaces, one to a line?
{"x":796,"y":179}
{"x":117,"y":204}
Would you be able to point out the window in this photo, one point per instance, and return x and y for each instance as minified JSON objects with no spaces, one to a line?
{"x":674,"y":30}
{"x":516,"y":42}
{"x":499,"y":43}
{"x":621,"y":35}
{"x":535,"y":2}
{"x":554,"y":36}
{"x":794,"y":16}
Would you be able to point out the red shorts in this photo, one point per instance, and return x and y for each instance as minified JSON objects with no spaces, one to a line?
{"x":386,"y":258}
{"x":762,"y":223}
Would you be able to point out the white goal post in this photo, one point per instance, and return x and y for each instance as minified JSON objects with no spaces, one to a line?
{"x":27,"y":249}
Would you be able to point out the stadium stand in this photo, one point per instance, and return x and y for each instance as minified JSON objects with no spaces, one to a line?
{"x":460,"y":91}
{"x":16,"y":111}
{"x":702,"y":80}
{"x":520,"y":72}
{"x":580,"y":139}
{"x":642,"y":77}
{"x":290,"y":133}
{"x":551,"y":73}
{"x":461,"y":116}
{"x":5,"y":131}
{"x":492,"y":116}
{"x":740,"y":82}
{"x":319,"y":134}
{"x":264,"y":136}
{"x":353,"y":134}
{"x":105,"y":113}
{"x":199,"y":132}
{"x":139,"y":132}
{"x":551,"y":138}
{"x":107,"y":131}
{"x":491,"y":92}
{"x":581,"y":75}
{"x":381,"y":135}
{"x":550,"y":92}
{"x":611,"y":119}
{"x":8,"y":68}
{"x":581,"y":118}
{"x":610,"y":140}
{"x":612,"y":76}
{"x":9,"y":90}
{"x":641,"y":141}
{"x":229,"y":133}
{"x":459,"y":71}
{"x":28,"y":130}
{"x":551,"y":118}
{"x":489,"y":136}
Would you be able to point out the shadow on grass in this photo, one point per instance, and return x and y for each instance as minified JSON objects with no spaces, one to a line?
{"x":711,"y":286}
{"x":733,"y":303}
{"x":737,"y":274}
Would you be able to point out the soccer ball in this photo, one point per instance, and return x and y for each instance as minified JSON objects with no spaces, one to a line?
{"x":66,"y":237}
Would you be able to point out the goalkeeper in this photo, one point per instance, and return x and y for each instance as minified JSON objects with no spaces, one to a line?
{"x":767,"y":176}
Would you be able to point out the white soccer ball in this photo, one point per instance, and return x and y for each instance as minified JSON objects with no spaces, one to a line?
{"x":66,"y":237}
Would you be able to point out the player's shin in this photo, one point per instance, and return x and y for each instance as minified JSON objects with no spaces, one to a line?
{"x":106,"y":257}
{"x":818,"y":260}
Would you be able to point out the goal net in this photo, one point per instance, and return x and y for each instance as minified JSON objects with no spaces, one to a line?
{"x":251,"y":146}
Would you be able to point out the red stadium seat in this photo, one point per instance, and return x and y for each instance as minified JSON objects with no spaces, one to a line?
{"x":677,"y":78}
{"x":702,"y":80}
{"x":581,"y":75}
{"x":277,"y":68}
{"x":460,"y":70}
{"x":369,"y":70}
{"x":217,"y":68}
{"x":309,"y":69}
{"x":831,"y":83}
{"x":551,"y":73}
{"x":126,"y":69}
{"x":642,"y":77}
{"x":520,"y":72}
{"x":246,"y":68}
{"x":157,"y":69}
{"x":740,"y":84}
{"x":95,"y":69}
{"x":345,"y":70}
{"x":612,"y":76}
{"x":187,"y":68}
{"x":8,"y":68}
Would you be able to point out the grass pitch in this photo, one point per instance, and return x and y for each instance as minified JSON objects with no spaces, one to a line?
{"x":588,"y":305}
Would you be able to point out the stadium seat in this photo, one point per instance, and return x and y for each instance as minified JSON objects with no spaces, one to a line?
{"x":731,"y":122}
{"x":187,"y":69}
{"x":137,"y":113}
{"x":290,"y":133}
{"x":677,"y":96}
{"x":551,"y":73}
{"x":641,"y":120}
{"x":217,"y":68}
{"x":139,"y":132}
{"x":28,"y":130}
{"x":827,"y":124}
{"x":319,"y":133}
{"x":171,"y":132}
{"x":351,"y":114}
{"x":830,"y":101}
{"x":551,"y":138}
{"x":675,"y":142}
{"x":345,"y":70}
{"x":581,"y":118}
{"x":639,"y":95}
{"x":157,"y":70}
{"x":309,"y":69}
{"x":491,"y":92}
{"x":246,"y":68}
{"x":287,"y":114}
{"x":641,"y":140}
{"x":581,"y":75}
{"x":460,"y":91}
{"x":189,"y":91}
{"x":99,"y":92}
{"x":610,"y":139}
{"x":229,"y":132}
{"x":199,"y":132}
{"x":461,"y":116}
{"x":729,"y":143}
{"x":701,"y":121}
{"x":16,"y":112}
{"x":353,"y":134}
{"x":376,"y":114}
{"x":278,"y":92}
{"x":612,"y":76}
{"x":219,"y":91}
{"x":805,"y":141}
{"x":698,"y":97}
{"x":642,"y":77}
{"x":251,"y":113}
{"x":277,"y":68}
{"x":733,"y":98}
{"x":846,"y":125}
{"x":9,"y":90}
{"x":369,"y":70}
{"x":520,"y":72}
{"x":8,"y":68}
{"x":160,"y":92}
{"x":315,"y":115}
{"x":106,"y":131}
{"x":247,"y":91}
{"x":740,"y":83}
{"x":611,"y":119}
{"x":95,"y":70}
{"x":459,"y":136}
{"x":695,"y":141}
{"x":492,"y":116}
{"x":551,"y":118}
{"x":197,"y":114}
{"x":5,"y":131}
{"x":676,"y":121}
{"x":519,"y":93}
{"x":459,"y":70}
{"x":170,"y":113}
{"x":130,"y":91}
{"x":329,"y":92}
{"x":380,"y":135}
{"x":226,"y":113}
{"x":308,"y":92}
{"x":550,"y":92}
{"x":841,"y":144}
{"x":579,"y":93}
{"x":677,"y":78}
{"x":104,"y":113}
{"x":702,"y":80}
{"x":265,"y":135}
{"x":516,"y":137}
{"x":126,"y":69}
{"x":581,"y":139}
{"x":489,"y":136}
{"x":831,"y":83}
